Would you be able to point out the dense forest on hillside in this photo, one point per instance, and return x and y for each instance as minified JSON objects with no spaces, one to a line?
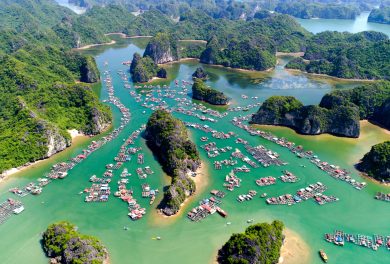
{"x":376,"y":163}
{"x":168,"y":138}
{"x":338,"y":113}
{"x":307,"y":9}
{"x":380,"y":15}
{"x":64,"y":244}
{"x":260,"y":243}
{"x":235,"y":9}
{"x":40,"y":99}
{"x":364,"y":55}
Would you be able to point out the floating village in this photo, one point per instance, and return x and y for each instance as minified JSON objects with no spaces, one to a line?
{"x":242,"y":159}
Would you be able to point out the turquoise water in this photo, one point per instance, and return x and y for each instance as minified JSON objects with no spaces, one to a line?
{"x":184,"y":241}
{"x":354,"y":26}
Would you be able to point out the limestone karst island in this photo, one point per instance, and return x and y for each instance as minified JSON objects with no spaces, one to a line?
{"x":194,"y":131}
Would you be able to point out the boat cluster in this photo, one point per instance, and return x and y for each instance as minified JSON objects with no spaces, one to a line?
{"x":8,"y":208}
{"x":314,"y":191}
{"x":383,"y":196}
{"x":332,"y":170}
{"x":375,"y":242}
{"x":206,"y":207}
{"x":246,"y":197}
{"x":231,"y":181}
{"x":213,"y":151}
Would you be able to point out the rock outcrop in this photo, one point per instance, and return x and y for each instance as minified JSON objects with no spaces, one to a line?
{"x":56,"y":141}
{"x":89,"y":72}
{"x":64,"y":244}
{"x":200,"y":91}
{"x":310,"y":120}
{"x":162,"y":49}
{"x":200,"y":74}
{"x":376,"y":163}
{"x":168,"y":139}
{"x":143,"y":69}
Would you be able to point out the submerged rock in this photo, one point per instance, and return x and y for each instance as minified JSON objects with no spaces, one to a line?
{"x":200,"y":74}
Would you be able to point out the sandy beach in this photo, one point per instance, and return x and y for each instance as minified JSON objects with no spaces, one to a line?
{"x":201,"y":182}
{"x":95,"y":45}
{"x":76,"y":136}
{"x":294,"y":249}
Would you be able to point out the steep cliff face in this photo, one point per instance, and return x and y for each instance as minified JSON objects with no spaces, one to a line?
{"x":99,"y":121}
{"x":54,"y":139}
{"x":162,"y":49}
{"x":200,"y":91}
{"x":89,"y":72}
{"x":143,"y":69}
{"x":167,"y":137}
{"x":382,"y":114}
{"x":376,"y":163}
{"x":310,"y":120}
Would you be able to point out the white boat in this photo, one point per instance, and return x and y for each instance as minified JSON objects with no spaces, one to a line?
{"x":18,"y":210}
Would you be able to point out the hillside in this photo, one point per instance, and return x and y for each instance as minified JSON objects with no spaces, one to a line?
{"x":168,"y":139}
{"x":376,"y":163}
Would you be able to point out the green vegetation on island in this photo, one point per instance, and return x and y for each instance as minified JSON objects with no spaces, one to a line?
{"x":372,"y":101}
{"x":64,"y":244}
{"x":338,"y":113}
{"x":200,"y":91}
{"x":239,"y":54}
{"x":40,"y":97}
{"x":311,"y":119}
{"x":260,"y":243}
{"x":162,"y":48}
{"x":307,"y":9}
{"x":376,"y":163}
{"x":362,"y":55}
{"x":380,"y":15}
{"x":143,"y":69}
{"x":168,"y":139}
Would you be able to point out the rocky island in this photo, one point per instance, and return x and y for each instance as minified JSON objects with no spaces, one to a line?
{"x":338,"y":113}
{"x":200,"y":74}
{"x":167,"y":137}
{"x":376,"y":163}
{"x":162,"y":48}
{"x":380,"y":15}
{"x":311,"y":119}
{"x":144,"y":69}
{"x":200,"y":91}
{"x":363,"y":55}
{"x":64,"y":244}
{"x":260,"y":243}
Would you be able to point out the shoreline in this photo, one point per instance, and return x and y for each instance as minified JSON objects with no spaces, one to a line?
{"x":77,"y":139}
{"x":294,"y":249}
{"x":293,"y":54}
{"x":201,"y":182}
{"x":329,"y":76}
{"x":123,"y":35}
{"x":112,"y":42}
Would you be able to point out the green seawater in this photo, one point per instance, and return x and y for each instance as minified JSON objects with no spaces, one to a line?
{"x":182,"y":240}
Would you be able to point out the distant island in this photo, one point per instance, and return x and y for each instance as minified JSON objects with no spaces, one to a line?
{"x":380,"y":15}
{"x":376,"y":163}
{"x":200,"y":91}
{"x":338,"y":113}
{"x":64,"y":244}
{"x":199,"y":73}
{"x":167,"y":137}
{"x":363,"y":55}
{"x":260,"y":243}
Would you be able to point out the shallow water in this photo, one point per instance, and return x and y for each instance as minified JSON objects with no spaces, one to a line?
{"x":184,"y":241}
